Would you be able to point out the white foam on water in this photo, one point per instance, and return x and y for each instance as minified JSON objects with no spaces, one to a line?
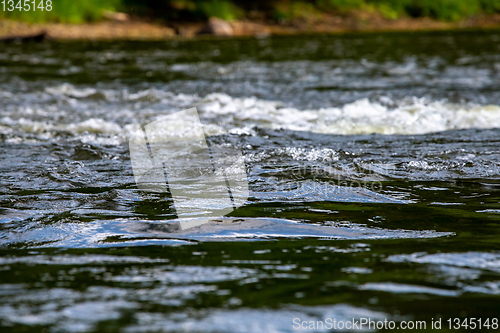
{"x":416,"y":116}
{"x":83,"y":110}
{"x":95,"y":125}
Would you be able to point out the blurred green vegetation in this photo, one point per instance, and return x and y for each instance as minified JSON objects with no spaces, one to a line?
{"x":65,"y":11}
{"x":77,"y":11}
{"x":448,"y":10}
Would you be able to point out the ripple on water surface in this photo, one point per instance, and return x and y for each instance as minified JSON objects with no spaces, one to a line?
{"x":373,"y":170}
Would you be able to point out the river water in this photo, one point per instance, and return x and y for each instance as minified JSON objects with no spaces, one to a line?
{"x":373,"y":168}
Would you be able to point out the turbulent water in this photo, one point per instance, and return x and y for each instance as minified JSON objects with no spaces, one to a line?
{"x":373,"y":168}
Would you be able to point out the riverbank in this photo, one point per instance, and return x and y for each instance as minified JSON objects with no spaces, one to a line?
{"x":134,"y":29}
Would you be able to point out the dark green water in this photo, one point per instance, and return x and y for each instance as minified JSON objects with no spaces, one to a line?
{"x":373,"y":164}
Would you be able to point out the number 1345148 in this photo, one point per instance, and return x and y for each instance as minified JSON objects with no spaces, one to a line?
{"x":26,"y":5}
